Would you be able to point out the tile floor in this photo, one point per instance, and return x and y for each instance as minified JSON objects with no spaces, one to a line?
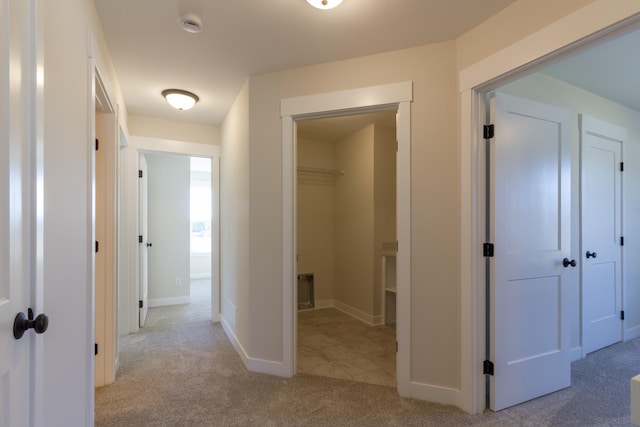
{"x":334,"y":344}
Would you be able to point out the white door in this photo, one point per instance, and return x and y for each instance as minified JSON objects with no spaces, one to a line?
{"x":530,"y":227}
{"x":20,"y":228}
{"x":144,"y":243}
{"x":601,"y":149}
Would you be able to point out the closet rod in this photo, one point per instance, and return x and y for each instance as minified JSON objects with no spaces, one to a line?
{"x":319,"y":170}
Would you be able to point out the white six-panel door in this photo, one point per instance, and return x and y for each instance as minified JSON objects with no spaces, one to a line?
{"x":530,"y":225}
{"x":601,"y":230}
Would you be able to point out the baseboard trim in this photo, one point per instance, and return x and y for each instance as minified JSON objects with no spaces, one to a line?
{"x":354,"y":312}
{"x":632,"y":333}
{"x":576,"y":353}
{"x":347,"y":309}
{"x":162,"y":302}
{"x":253,"y":364}
{"x":323,"y":303}
{"x":434,"y":393}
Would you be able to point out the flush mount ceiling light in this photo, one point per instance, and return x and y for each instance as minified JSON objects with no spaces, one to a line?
{"x":180,"y":99}
{"x":324,"y":4}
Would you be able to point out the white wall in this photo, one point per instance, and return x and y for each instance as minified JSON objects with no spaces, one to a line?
{"x":168,"y":183}
{"x":543,"y":88}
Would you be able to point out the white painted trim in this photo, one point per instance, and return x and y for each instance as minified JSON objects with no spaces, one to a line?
{"x":163,"y":302}
{"x":331,"y":102}
{"x":156,"y":145}
{"x":255,"y":365}
{"x":395,"y":95}
{"x":199,"y":276}
{"x":356,"y":313}
{"x":434,"y":393}
{"x":593,"y":23}
{"x":579,"y":29}
{"x":576,"y":354}
{"x":323,"y":303}
{"x":631,"y":333}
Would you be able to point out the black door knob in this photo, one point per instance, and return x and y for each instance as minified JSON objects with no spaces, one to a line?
{"x":591,"y":254}
{"x":24,"y":322}
{"x":566,"y":263}
{"x":149,"y":244}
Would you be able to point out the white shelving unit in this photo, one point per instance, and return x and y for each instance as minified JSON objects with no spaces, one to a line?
{"x":389,"y":284}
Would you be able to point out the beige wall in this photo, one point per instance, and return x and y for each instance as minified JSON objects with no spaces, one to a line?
{"x":543,"y":88}
{"x":511,"y":24}
{"x":168,"y":228}
{"x":315,"y":218}
{"x":234,"y":218}
{"x":436,"y":231}
{"x":343,"y":220}
{"x":384,"y":203}
{"x":153,"y":127}
{"x":353,"y":221}
{"x":435,"y":294}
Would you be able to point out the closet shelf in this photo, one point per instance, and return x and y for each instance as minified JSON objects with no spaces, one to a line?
{"x":319,"y":170}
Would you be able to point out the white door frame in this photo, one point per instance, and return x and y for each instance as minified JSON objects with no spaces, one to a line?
{"x":105,"y":295}
{"x":587,"y":26}
{"x":138,"y":145}
{"x":391,"y":96}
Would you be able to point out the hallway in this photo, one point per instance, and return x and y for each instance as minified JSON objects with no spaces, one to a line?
{"x":181,"y":370}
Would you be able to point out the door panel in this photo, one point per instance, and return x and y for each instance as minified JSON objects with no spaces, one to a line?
{"x":19,"y":224}
{"x":530,"y":227}
{"x":601,"y":198}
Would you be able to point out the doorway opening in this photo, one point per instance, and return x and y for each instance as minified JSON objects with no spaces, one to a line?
{"x":395,"y":96}
{"x":178,"y":244}
{"x":346,"y":234}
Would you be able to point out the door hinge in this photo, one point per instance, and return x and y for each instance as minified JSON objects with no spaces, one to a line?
{"x":487,"y":367}
{"x":97,"y":144}
{"x":139,"y":174}
{"x":397,"y":146}
{"x":621,"y":314}
{"x":140,"y":239}
{"x":621,"y":166}
{"x":396,"y":346}
{"x":488,"y":131}
{"x":397,"y":246}
{"x":140,"y":304}
{"x":487,"y":250}
{"x":97,"y":246}
{"x":621,"y":240}
{"x":95,"y":349}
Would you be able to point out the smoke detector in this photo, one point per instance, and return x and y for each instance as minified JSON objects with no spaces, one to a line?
{"x":191,"y":23}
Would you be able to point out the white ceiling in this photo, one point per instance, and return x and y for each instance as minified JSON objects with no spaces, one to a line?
{"x":242,"y":38}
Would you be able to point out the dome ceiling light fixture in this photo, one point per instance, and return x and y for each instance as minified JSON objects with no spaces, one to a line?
{"x":324,"y":4}
{"x":180,"y":99}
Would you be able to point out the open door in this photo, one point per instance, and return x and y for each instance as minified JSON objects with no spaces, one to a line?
{"x":530,"y":222}
{"x":144,"y":243}
{"x":601,"y":211}
{"x":21,"y":354}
